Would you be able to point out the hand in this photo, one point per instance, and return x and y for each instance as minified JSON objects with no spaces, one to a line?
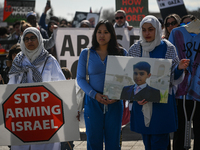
{"x":111,"y":101}
{"x":46,"y":9}
{"x":103,"y":99}
{"x":129,"y":28}
{"x":183,"y":64}
{"x":142,"y":102}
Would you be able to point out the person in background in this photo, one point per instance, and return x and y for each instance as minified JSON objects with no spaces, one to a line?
{"x":120,"y":20}
{"x":172,"y":21}
{"x":64,"y":21}
{"x":34,"y":64}
{"x":187,"y":96}
{"x":16,"y":34}
{"x":14,"y":50}
{"x":161,"y":22}
{"x":156,"y":120}
{"x":85,"y":24}
{"x":103,"y":116}
{"x":31,"y":18}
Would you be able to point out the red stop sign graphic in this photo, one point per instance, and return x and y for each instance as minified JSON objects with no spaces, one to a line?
{"x":33,"y":113}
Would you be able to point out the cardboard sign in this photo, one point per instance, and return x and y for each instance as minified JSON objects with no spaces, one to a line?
{"x":38,"y":113}
{"x":93,"y":18}
{"x":135,"y":10}
{"x":121,"y":78}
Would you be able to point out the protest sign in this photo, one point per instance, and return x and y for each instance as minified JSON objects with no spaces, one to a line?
{"x":15,"y":10}
{"x":168,"y":7}
{"x":135,"y":10}
{"x":71,"y":41}
{"x":93,"y":18}
{"x":46,"y":111}
{"x":120,"y":77}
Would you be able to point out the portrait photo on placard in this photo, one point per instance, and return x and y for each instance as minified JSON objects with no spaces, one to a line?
{"x":137,"y":78}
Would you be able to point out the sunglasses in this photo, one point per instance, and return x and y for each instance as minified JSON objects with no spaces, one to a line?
{"x":119,"y":18}
{"x":32,"y":38}
{"x":182,"y":24}
{"x":172,"y":23}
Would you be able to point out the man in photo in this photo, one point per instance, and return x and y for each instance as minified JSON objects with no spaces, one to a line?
{"x":141,"y":90}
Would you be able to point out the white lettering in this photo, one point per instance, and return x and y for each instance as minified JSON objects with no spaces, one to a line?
{"x":26,"y":97}
{"x":37,"y":125}
{"x":57,"y":112}
{"x":44,"y":110}
{"x":37,"y":97}
{"x":27,"y":124}
{"x":17,"y":98}
{"x":9,"y":113}
{"x":19,"y":125}
{"x":52,"y":125}
{"x":29,"y":112}
{"x":18,"y":112}
{"x":45,"y":124}
{"x":44,"y":95}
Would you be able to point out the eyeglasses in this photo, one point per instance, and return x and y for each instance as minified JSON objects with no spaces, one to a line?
{"x":172,"y":23}
{"x":32,"y":38}
{"x":119,"y":18}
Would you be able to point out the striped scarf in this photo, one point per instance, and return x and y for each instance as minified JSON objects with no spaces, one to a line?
{"x":18,"y":67}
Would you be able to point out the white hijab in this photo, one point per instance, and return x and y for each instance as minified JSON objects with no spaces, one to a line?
{"x":146,"y":48}
{"x":32,"y":54}
{"x":149,"y":46}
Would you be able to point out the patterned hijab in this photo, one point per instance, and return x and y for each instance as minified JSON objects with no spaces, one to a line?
{"x":36,"y":57}
{"x":149,"y":46}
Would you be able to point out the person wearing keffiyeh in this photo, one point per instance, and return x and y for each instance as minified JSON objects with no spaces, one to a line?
{"x":34,"y":64}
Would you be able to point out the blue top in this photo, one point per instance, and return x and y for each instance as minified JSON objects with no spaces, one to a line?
{"x":188,"y":46}
{"x":42,"y":21}
{"x":96,"y":71}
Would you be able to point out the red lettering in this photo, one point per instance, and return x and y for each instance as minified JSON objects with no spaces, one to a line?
{"x":131,"y":2}
{"x":134,"y":17}
{"x":124,"y":2}
{"x":128,"y":18}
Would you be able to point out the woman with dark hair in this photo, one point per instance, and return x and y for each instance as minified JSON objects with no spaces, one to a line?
{"x":34,"y":64}
{"x":103,"y":117}
{"x":172,"y":21}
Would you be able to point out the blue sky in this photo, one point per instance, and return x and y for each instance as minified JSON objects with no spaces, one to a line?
{"x":67,"y":8}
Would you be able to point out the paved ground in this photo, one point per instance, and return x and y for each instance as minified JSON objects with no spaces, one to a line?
{"x":130,"y":141}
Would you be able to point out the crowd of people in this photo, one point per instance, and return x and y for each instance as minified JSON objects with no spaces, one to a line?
{"x":35,"y":51}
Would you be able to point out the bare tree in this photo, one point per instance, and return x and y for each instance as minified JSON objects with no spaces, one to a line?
{"x":108,"y":14}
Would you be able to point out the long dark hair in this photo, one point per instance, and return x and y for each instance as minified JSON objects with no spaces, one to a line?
{"x":177,"y":19}
{"x":113,"y":47}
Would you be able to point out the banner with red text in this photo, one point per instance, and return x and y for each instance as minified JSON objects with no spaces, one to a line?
{"x":135,"y":10}
{"x":36,"y":113}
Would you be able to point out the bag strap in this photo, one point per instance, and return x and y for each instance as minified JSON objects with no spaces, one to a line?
{"x":87,"y":75}
{"x":44,"y":64}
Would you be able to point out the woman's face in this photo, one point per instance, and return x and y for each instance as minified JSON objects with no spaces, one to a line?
{"x":31,"y":41}
{"x":186,"y":20}
{"x":148,"y":32}
{"x":51,"y":27}
{"x":171,"y":24}
{"x":102,"y":35}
